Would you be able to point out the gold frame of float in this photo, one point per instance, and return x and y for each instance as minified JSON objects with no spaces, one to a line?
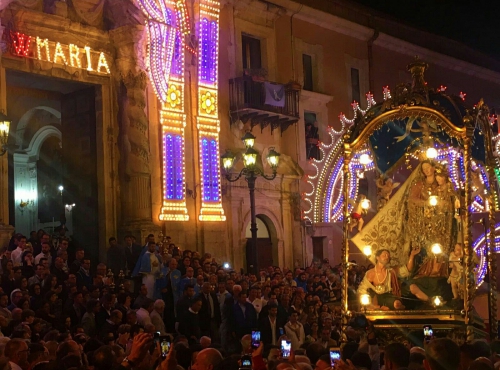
{"x":464,"y":134}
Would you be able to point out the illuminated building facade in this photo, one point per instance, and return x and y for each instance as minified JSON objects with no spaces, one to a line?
{"x":135,"y":100}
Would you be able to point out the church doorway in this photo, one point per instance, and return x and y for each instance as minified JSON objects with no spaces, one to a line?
{"x":53,"y":167}
{"x":267,"y":251}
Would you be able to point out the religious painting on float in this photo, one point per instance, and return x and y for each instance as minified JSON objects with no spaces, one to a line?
{"x":406,"y":214}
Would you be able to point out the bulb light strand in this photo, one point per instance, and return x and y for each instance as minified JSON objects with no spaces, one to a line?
{"x":208,"y":123}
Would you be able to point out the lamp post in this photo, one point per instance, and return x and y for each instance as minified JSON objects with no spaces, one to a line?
{"x":251,"y":173}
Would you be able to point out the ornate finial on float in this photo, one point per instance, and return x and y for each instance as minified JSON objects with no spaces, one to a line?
{"x":417,"y":69}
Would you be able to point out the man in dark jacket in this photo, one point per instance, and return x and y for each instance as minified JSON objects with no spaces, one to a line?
{"x":270,"y":326}
{"x":111,"y":325}
{"x":209,"y":312}
{"x":117,"y":259}
{"x":132,"y":252}
{"x":245,"y":316}
{"x":189,"y":321}
{"x":75,"y":308}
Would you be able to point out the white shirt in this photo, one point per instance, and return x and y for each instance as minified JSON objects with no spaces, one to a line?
{"x":295,"y":333}
{"x":39,"y":256}
{"x":221,"y":297}
{"x":16,"y":256}
{"x":273,"y":330}
{"x":257,"y":303}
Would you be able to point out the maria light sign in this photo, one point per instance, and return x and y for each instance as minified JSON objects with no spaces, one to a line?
{"x":71,"y":55}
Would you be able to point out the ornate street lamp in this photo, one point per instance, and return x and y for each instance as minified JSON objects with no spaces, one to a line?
{"x":251,"y":171}
{"x":4,"y":132}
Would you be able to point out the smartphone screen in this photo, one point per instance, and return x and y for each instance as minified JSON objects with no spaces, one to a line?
{"x":428,"y":332}
{"x":282,"y":332}
{"x":156,"y":340}
{"x":334,"y":355}
{"x":165,"y":347}
{"x":255,"y":339}
{"x":286,"y":347}
{"x":246,"y":362}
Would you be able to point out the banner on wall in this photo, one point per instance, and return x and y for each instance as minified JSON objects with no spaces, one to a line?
{"x":275,"y":94}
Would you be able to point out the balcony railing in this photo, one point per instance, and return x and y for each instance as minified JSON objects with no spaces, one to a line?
{"x":248,"y":102}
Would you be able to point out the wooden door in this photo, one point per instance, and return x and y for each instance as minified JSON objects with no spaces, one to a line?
{"x":264,"y":253}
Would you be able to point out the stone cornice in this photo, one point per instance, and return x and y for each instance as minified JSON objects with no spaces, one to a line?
{"x":53,"y":27}
{"x":403,"y":47}
{"x":361,"y":32}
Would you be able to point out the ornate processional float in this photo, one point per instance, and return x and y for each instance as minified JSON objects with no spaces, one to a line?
{"x":408,"y":178}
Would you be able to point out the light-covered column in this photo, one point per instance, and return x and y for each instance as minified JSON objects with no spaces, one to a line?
{"x":208,"y":123}
{"x":173,"y":123}
{"x":167,"y":25}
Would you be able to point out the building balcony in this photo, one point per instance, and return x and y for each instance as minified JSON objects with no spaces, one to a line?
{"x":264,"y":103}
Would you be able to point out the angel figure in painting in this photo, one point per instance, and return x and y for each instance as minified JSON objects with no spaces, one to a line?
{"x":426,"y":129}
{"x":360,"y":209}
{"x":385,"y":188}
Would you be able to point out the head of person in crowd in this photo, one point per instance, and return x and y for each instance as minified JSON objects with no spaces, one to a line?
{"x":207,"y":359}
{"x":396,"y":356}
{"x":441,"y":354}
{"x":17,"y":351}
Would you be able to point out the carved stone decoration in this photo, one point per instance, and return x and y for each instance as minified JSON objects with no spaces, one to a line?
{"x":129,"y":42}
{"x":135,"y":171}
{"x":88,"y":11}
{"x":119,"y":13}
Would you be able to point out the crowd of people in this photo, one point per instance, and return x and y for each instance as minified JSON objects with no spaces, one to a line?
{"x":58,"y":311}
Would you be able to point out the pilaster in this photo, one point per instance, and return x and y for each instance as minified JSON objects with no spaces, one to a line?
{"x":134,"y":168}
{"x":5,"y":229}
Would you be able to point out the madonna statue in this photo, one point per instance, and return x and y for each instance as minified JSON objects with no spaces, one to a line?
{"x":419,"y":215}
{"x":429,"y":223}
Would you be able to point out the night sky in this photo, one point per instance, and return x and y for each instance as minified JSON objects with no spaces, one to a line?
{"x":475,"y":23}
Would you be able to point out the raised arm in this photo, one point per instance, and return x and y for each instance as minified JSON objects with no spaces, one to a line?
{"x":411,"y":261}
